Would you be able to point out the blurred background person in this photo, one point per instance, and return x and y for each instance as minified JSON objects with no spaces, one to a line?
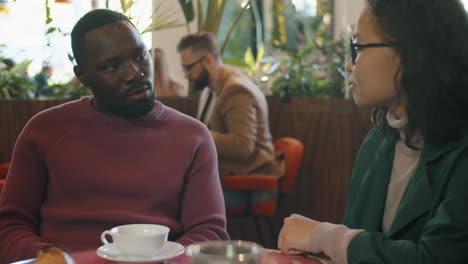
{"x":41,"y":80}
{"x":163,"y":82}
{"x":239,"y":121}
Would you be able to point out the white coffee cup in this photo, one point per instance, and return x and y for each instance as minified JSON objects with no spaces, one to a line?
{"x":137,"y":240}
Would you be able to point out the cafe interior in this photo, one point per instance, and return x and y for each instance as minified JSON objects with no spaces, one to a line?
{"x":293,"y":50}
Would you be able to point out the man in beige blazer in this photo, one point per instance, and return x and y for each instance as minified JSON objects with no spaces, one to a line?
{"x":232,"y":106}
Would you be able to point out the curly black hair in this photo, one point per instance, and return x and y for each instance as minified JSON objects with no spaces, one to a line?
{"x":432,"y":37}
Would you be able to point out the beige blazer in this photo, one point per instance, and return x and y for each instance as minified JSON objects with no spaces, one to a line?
{"x":240,"y":127}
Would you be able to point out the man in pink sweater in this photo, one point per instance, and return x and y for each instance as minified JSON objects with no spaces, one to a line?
{"x":114,"y":158}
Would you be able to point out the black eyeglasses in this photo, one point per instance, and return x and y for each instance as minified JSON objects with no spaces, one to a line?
{"x":188,"y":67}
{"x":355,"y":46}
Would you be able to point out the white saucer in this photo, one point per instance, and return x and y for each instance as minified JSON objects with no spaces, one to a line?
{"x":169,"y":250}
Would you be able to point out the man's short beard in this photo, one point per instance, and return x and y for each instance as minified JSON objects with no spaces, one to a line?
{"x":134,"y":111}
{"x":201,"y":82}
{"x":138,"y":109}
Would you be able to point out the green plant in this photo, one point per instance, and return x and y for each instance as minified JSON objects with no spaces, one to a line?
{"x":209,"y":19}
{"x":71,"y":91}
{"x":294,"y":28}
{"x":314,"y":71}
{"x":294,"y":76}
{"x":13,"y":83}
{"x":161,"y":18}
{"x":312,"y":68}
{"x":337,"y":53}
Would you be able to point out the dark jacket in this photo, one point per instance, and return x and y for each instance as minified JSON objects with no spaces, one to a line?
{"x":431,"y":223}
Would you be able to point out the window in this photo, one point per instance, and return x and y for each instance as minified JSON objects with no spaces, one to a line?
{"x":299,"y":23}
{"x":23,"y":30}
{"x":305,"y":7}
{"x":245,"y":34}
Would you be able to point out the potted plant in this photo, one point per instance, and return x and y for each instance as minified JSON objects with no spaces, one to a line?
{"x":315,"y":71}
{"x":14,"y":82}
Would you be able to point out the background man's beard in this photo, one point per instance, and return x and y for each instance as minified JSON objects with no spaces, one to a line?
{"x":202,"y":82}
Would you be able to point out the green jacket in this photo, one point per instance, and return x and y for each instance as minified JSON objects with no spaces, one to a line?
{"x":431,"y":223}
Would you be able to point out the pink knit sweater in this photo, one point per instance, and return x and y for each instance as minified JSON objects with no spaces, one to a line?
{"x":76,"y":172}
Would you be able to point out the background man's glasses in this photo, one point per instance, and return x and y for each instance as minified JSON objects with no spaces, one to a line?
{"x":189,"y":66}
{"x":355,"y":47}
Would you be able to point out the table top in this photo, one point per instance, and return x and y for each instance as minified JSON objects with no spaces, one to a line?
{"x":269,"y":256}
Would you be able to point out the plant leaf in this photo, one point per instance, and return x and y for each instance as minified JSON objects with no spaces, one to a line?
{"x":231,"y":29}
{"x":20,"y":67}
{"x":201,"y":15}
{"x":187,"y":8}
{"x":71,"y":58}
{"x":48,"y":17}
{"x":249,"y":58}
{"x":50,"y":30}
{"x":235,"y":62}
{"x":260,"y":53}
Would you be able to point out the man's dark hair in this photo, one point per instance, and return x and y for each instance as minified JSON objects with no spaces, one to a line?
{"x":432,"y":43}
{"x":204,"y":41}
{"x":91,"y":20}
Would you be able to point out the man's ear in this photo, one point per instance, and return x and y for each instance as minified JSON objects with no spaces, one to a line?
{"x":209,"y":60}
{"x":80,"y":75}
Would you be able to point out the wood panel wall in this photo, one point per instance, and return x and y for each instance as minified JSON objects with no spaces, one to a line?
{"x":330,"y":129}
{"x":14,"y":114}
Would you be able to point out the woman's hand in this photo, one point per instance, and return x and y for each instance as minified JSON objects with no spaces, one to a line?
{"x":296,"y":234}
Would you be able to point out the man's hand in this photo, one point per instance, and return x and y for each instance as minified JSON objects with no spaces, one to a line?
{"x":296,"y":233}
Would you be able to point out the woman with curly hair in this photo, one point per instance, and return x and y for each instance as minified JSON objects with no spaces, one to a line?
{"x":407,"y":198}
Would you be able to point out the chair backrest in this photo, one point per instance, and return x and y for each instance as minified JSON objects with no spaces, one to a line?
{"x":293,"y":150}
{"x":3,"y":173}
{"x":4,"y":170}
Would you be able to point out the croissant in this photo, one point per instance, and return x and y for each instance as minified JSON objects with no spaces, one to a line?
{"x":53,"y":255}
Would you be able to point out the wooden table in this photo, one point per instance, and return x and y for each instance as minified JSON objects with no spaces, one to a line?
{"x":269,"y":257}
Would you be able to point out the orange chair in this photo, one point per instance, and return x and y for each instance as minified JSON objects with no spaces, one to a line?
{"x":289,"y":149}
{"x":3,"y":173}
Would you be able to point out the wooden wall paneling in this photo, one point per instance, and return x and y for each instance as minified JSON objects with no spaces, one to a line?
{"x":14,"y":114}
{"x":332,"y":131}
